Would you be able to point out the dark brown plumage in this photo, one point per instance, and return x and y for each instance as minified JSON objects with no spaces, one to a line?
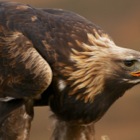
{"x":86,"y":70}
{"x":24,"y":74}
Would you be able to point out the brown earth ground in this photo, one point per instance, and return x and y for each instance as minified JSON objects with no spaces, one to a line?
{"x":122,"y":21}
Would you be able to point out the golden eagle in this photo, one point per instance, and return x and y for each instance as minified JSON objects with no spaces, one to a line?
{"x":63,"y":60}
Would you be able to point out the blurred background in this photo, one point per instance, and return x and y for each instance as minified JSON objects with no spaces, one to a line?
{"x":121,"y":19}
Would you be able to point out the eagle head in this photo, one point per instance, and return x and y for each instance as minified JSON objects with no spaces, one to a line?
{"x":123,"y":67}
{"x":100,"y":72}
{"x":102,"y":66}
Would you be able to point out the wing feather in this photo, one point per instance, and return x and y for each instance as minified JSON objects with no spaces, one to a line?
{"x":24,"y":72}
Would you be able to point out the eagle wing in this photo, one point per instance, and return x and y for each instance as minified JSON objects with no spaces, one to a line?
{"x":24,"y":72}
{"x":44,"y":40}
{"x":36,"y":44}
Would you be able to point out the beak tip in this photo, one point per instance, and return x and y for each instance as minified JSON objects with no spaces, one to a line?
{"x":136,"y":74}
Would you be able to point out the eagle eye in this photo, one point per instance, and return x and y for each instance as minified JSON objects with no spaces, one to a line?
{"x":129,"y":63}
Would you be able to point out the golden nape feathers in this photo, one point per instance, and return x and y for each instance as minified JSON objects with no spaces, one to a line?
{"x":74,"y":64}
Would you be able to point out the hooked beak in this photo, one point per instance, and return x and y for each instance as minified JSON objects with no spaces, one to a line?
{"x":136,"y":74}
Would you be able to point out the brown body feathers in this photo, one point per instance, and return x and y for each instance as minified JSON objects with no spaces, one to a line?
{"x":74,"y":64}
